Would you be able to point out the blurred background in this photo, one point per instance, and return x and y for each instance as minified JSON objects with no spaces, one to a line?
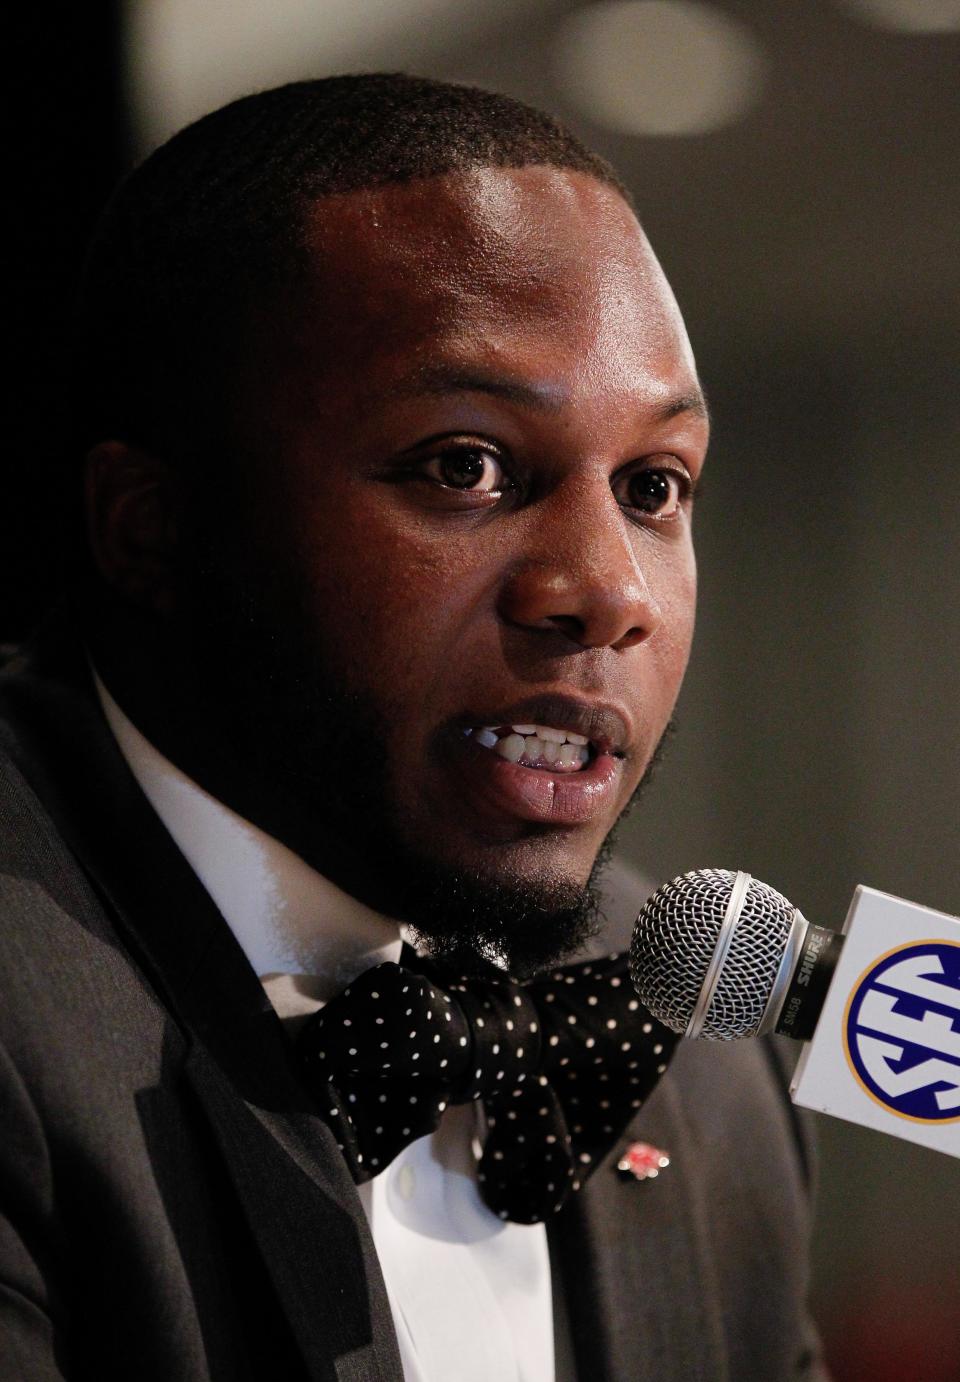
{"x":796,"y":167}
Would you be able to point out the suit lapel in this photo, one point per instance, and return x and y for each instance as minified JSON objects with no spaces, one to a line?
{"x":291,"y":1181}
{"x":634,"y":1263}
{"x":316,"y":1249}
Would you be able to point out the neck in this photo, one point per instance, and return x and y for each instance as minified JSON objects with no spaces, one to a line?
{"x":174,"y":711}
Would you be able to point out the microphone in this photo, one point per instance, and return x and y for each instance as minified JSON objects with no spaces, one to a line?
{"x":720,"y":955}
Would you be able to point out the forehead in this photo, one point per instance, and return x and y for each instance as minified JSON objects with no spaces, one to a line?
{"x":511,"y":264}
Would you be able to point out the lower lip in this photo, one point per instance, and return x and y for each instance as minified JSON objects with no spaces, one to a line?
{"x":496,"y":786}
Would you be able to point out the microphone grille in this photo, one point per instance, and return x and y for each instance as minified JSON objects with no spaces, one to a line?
{"x":674,"y":940}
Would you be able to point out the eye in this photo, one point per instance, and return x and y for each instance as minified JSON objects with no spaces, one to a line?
{"x":658,"y":492}
{"x":473,"y":468}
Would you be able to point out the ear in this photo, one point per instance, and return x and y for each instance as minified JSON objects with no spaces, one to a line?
{"x":131,"y":501}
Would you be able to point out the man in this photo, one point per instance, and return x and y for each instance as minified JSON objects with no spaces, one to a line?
{"x":393,"y":432}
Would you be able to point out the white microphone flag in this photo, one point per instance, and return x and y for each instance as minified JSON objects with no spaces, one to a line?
{"x":886,"y":1051}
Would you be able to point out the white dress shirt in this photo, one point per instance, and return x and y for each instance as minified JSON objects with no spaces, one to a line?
{"x":470,"y":1295}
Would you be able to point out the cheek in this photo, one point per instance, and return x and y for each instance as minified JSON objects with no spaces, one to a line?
{"x":677,"y":601}
{"x":387,"y":603}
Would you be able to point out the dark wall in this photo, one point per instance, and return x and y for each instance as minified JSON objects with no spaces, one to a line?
{"x":69,"y":149}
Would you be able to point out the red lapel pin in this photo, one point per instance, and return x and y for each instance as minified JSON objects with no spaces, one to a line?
{"x":643,"y":1161}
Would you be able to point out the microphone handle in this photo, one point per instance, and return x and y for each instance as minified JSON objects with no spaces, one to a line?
{"x":807,"y":990}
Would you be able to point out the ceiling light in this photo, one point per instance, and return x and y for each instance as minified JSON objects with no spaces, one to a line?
{"x":658,"y":67}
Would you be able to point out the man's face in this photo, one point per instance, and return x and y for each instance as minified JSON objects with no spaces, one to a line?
{"x":463,"y":472}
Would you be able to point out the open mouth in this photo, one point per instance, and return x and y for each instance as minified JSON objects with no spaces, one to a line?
{"x":535,"y":746}
{"x":554,"y":760}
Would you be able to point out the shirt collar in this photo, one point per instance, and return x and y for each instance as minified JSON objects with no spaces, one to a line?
{"x":305,"y":938}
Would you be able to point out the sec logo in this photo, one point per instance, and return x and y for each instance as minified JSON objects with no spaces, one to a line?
{"x":901,"y":1031}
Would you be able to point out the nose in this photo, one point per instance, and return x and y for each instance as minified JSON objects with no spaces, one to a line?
{"x":580,"y":575}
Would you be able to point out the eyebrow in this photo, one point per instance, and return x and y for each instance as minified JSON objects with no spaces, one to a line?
{"x":446,"y":379}
{"x":694,"y":402}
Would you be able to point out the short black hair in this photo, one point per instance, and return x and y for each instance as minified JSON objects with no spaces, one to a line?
{"x":211,"y":222}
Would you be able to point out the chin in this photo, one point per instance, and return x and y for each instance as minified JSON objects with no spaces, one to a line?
{"x":527,"y":912}
{"x":538,"y":855}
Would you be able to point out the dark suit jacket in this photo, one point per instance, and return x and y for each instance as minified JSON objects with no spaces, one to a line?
{"x":172,"y":1208}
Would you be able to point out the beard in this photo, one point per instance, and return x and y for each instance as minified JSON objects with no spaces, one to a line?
{"x":306,"y":759}
{"x":470,"y":922}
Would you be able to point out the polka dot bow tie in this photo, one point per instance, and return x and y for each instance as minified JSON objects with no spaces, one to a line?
{"x":561,"y":1065}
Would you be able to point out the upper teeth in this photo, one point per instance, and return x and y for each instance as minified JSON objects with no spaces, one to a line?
{"x":536,"y":743}
{"x":545,"y":732}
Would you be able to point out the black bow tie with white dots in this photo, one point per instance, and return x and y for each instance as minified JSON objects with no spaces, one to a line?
{"x":561,"y":1065}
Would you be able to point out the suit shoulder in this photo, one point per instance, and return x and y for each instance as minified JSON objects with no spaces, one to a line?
{"x":35,"y":863}
{"x":66,"y":977}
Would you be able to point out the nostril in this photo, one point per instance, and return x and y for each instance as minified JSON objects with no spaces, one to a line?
{"x":631,"y":638}
{"x":596,"y":633}
{"x":568,"y":624}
